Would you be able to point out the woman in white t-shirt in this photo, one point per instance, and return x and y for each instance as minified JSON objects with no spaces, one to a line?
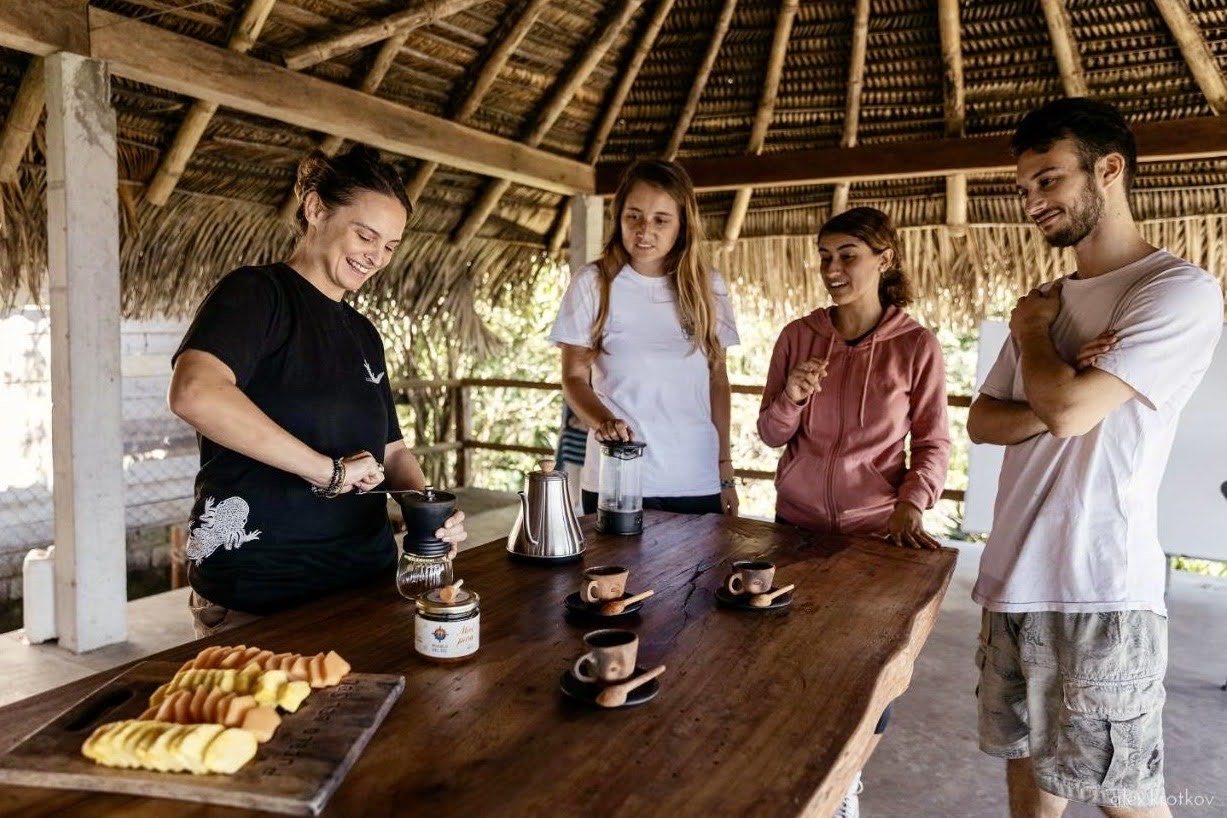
{"x":643,"y":333}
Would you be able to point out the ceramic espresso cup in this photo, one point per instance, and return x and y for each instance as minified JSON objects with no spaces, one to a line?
{"x":610,"y":657}
{"x":602,"y":583}
{"x":750,"y":577}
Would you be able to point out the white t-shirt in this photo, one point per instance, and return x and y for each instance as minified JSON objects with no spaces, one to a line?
{"x":1075,"y":524}
{"x":651,"y":376}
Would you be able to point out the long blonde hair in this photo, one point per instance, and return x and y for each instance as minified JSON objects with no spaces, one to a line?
{"x":696,"y":303}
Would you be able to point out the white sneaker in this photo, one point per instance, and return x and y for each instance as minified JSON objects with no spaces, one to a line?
{"x":851,"y":807}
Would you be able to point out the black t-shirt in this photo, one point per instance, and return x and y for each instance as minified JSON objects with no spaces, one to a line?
{"x":260,"y":540}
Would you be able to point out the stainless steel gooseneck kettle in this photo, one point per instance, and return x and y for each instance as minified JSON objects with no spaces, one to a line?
{"x":546,"y":529}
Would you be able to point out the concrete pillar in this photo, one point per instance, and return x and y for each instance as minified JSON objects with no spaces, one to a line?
{"x":587,"y":230}
{"x":86,"y":438}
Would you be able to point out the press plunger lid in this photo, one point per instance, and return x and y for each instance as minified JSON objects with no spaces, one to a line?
{"x":623,"y":449}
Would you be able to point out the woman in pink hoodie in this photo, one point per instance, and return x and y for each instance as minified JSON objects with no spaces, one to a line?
{"x":847,"y":385}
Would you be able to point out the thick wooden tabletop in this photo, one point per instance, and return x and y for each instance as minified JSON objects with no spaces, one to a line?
{"x":759,"y":713}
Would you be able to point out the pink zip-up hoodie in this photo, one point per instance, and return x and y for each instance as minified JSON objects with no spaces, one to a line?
{"x":844,"y":467}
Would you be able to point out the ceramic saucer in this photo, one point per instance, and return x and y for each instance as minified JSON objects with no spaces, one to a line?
{"x":587,"y":692}
{"x":741,"y":602}
{"x":577,"y":606}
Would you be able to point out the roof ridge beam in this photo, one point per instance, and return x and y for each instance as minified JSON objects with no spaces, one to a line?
{"x":1197,"y":55}
{"x":200,"y":113}
{"x":423,"y":12}
{"x":1160,"y":141}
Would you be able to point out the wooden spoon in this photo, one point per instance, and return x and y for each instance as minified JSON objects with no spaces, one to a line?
{"x":763,"y":600}
{"x":448,"y":592}
{"x":617,"y":606}
{"x":615,"y":695}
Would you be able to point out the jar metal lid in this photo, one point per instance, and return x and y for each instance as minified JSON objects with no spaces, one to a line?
{"x":430,"y":603}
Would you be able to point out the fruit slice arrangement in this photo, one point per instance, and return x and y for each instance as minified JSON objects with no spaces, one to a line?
{"x":156,"y":745}
{"x":211,"y":715}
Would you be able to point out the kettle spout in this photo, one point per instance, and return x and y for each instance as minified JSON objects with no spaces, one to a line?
{"x":526,"y":528}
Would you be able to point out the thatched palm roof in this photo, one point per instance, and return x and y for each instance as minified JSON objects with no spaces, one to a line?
{"x":555,"y":74}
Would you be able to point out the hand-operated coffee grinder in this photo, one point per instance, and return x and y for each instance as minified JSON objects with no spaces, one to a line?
{"x":424,"y":562}
{"x":619,"y":506}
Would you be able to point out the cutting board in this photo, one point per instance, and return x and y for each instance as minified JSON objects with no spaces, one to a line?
{"x":296,"y":772}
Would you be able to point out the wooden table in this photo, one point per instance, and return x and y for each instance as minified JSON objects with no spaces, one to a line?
{"x":759,"y":714}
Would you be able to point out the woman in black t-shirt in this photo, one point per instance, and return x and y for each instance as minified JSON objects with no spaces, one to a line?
{"x":287,"y":388}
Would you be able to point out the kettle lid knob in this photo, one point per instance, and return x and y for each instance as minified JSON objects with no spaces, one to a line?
{"x":546,"y":464}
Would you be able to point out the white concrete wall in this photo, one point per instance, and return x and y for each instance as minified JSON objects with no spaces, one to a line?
{"x":160,"y":456}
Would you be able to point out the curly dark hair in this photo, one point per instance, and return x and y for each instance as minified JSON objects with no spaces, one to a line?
{"x":874,"y":227}
{"x":1097,"y":129}
{"x":338,"y":179}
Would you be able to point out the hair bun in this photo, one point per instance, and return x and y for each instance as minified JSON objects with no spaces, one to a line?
{"x":313,"y":167}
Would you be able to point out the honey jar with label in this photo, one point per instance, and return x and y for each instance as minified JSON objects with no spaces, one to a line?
{"x":447,"y":631}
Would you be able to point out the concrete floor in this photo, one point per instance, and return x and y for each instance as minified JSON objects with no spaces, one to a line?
{"x":926,"y":766}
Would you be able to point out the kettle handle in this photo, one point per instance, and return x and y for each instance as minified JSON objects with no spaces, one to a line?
{"x":526,"y":529}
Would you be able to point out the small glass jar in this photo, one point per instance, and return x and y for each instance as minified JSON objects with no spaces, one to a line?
{"x":418,"y":573}
{"x":447,"y":631}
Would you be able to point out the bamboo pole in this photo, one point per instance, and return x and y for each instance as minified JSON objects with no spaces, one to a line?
{"x":1065,"y":48}
{"x":613,"y":110}
{"x":856,"y":84}
{"x":1196,"y":51}
{"x":700,"y":78}
{"x":198,"y":116}
{"x":952,"y":61}
{"x":22,"y":120}
{"x":856,"y":73}
{"x":506,"y":44}
{"x":422,"y":13}
{"x":954,"y":99}
{"x":762,"y":115}
{"x":559,"y":99}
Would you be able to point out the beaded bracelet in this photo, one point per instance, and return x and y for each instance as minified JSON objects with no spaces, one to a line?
{"x":334,"y":485}
{"x":728,"y":484}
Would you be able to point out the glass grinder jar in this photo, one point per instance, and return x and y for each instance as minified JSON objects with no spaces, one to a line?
{"x":424,"y":562}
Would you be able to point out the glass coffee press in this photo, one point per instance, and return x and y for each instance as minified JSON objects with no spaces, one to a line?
{"x":619,"y":506}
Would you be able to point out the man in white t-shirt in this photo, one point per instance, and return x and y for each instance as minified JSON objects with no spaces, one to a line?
{"x":1085,"y":395}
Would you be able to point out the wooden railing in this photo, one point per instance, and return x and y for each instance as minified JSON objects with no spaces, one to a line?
{"x":464,"y":444}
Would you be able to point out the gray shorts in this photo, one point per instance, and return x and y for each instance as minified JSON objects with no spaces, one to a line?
{"x":1082,"y":695}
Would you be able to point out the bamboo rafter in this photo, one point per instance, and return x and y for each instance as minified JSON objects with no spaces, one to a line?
{"x":856,"y":84}
{"x":201,"y":112}
{"x":1065,"y":48}
{"x":370,"y":83}
{"x":421,"y":13}
{"x":22,"y":119}
{"x":1196,"y":51}
{"x":612,"y":111}
{"x":700,"y":78}
{"x":954,"y":100}
{"x":763,"y":114}
{"x":559,"y":99}
{"x":505,"y":44}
